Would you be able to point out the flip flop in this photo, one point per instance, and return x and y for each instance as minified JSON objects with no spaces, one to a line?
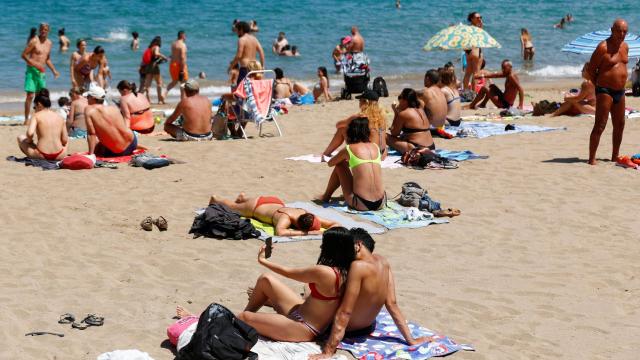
{"x":79,"y":326}
{"x":94,"y":320}
{"x":66,"y":318}
{"x":626,"y":162}
{"x":147,"y":223}
{"x":161,"y":223}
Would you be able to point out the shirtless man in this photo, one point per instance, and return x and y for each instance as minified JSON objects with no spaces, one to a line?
{"x":63,"y":41}
{"x":37,"y":55}
{"x":370,"y":285}
{"x":50,"y":129}
{"x":83,"y":69}
{"x":76,"y":125}
{"x":474,"y":55}
{"x":357,"y":41}
{"x":279,"y":43}
{"x":108,"y":135}
{"x":178,"y":65}
{"x":435,"y":103}
{"x":195,"y":111}
{"x":248,"y":48}
{"x":608,"y":70}
{"x":502,"y":100}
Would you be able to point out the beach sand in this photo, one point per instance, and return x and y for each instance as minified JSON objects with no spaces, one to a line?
{"x":542,"y":263}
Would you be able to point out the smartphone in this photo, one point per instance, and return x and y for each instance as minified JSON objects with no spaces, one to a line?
{"x":267,"y":251}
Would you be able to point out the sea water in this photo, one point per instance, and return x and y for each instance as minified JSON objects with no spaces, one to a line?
{"x":394,"y":37}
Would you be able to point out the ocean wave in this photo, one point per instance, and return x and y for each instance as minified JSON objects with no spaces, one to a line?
{"x":119,"y":34}
{"x":555,"y":71}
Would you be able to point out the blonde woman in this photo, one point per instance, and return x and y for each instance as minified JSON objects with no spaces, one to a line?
{"x":527,"y":45}
{"x":255,"y":65}
{"x":370,"y":109}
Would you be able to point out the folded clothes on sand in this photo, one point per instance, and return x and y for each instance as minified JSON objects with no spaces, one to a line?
{"x":393,"y":216}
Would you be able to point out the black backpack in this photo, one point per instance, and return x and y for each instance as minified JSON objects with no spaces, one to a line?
{"x":220,"y":336}
{"x":380,"y":87}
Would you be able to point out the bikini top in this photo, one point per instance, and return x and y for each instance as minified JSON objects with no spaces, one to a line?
{"x":407,"y":130}
{"x":356,"y":161}
{"x":450,"y":92}
{"x":314,"y":227}
{"x":316,"y":294}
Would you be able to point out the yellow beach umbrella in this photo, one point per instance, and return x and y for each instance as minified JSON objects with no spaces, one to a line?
{"x":461,"y":37}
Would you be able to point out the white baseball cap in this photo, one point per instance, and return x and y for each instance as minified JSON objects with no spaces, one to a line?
{"x":95,"y":92}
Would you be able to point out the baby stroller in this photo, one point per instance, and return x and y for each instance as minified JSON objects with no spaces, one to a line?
{"x":355,"y":67}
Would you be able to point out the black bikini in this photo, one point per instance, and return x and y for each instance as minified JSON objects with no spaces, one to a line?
{"x":616,"y":95}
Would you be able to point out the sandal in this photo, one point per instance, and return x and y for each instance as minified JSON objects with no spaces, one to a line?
{"x":147,"y":223}
{"x":448,"y":213}
{"x":161,"y":223}
{"x":79,"y":326}
{"x":66,"y":318}
{"x":94,"y":320}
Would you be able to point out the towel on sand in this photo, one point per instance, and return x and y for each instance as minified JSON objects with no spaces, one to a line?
{"x":267,"y":230}
{"x":393,"y":216}
{"x":41,"y":163}
{"x":125,"y":355}
{"x":486,"y":129}
{"x":386,"y":342}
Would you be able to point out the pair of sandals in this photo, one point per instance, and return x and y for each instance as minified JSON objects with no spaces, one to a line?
{"x":160,"y":222}
{"x":450,"y":212}
{"x":89,"y":320}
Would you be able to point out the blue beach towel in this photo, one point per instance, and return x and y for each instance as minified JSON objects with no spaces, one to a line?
{"x":393,"y":216}
{"x":460,"y":155}
{"x":387,"y":342}
{"x":486,"y":129}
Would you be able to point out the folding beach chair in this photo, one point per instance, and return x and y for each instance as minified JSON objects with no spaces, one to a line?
{"x":254,"y":100}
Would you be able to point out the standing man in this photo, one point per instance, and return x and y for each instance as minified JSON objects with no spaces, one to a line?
{"x":178,"y":66}
{"x":608,"y":69}
{"x":357,"y":41}
{"x":37,"y":54}
{"x":248,"y":48}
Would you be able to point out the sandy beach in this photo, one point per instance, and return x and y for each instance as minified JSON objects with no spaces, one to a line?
{"x":542,"y":263}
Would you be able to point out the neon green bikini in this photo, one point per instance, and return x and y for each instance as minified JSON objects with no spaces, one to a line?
{"x":355,"y":161}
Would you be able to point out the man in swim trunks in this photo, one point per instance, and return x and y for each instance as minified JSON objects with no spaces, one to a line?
{"x":108,"y":135}
{"x":195,"y":112}
{"x":76,"y":125}
{"x":37,"y":55}
{"x":370,"y":285}
{"x":502,"y":100}
{"x":435,"y":103}
{"x":286,"y":221}
{"x":608,"y":71}
{"x":87,"y":63}
{"x":51,"y":132}
{"x":178,"y":66}
{"x":356,"y":44}
{"x":248,"y":48}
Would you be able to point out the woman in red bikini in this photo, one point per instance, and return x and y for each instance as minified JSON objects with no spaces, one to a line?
{"x":286,"y":221}
{"x":51,"y":131}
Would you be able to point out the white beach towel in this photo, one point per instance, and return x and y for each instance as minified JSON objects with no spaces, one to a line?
{"x":132,"y":354}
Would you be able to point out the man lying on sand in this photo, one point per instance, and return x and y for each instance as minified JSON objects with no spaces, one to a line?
{"x":195,"y":112}
{"x":108,"y":134}
{"x":272,"y":210}
{"x":502,"y":100}
{"x":50,"y":128}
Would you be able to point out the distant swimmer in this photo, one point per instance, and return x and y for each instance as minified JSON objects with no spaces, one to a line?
{"x":254,"y":26}
{"x":289,"y":51}
{"x":560,"y":25}
{"x":248,"y":48}
{"x":84,"y":68}
{"x":50,"y":130}
{"x":280,"y":42}
{"x":63,"y":41}
{"x":569,"y":17}
{"x":135,"y":43}
{"x":357,"y":41}
{"x":398,"y":5}
{"x":608,"y":71}
{"x":37,"y":55}
{"x":178,"y":66}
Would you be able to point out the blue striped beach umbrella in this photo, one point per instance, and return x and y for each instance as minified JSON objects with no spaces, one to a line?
{"x":587,"y":43}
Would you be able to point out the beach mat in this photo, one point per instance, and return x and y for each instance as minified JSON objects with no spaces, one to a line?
{"x":393,"y":216}
{"x":485,"y":129}
{"x":267,"y":230}
{"x":386,"y":342}
{"x":41,"y":163}
{"x":279,"y":350}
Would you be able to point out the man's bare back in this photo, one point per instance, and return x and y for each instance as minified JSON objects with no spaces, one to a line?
{"x":357,"y":41}
{"x":435,"y":105}
{"x":196,"y":112}
{"x":373,"y":291}
{"x":249,"y":47}
{"x":106,"y":122}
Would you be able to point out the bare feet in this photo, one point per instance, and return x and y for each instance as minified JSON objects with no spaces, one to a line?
{"x":322,"y":198}
{"x":242,"y":197}
{"x":182,"y":312}
{"x":592,"y":162}
{"x":212,"y":200}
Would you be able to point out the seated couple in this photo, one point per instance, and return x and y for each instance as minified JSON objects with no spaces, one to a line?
{"x":503,"y":100}
{"x":347,"y":288}
{"x":286,"y":221}
{"x":50,"y":128}
{"x":357,"y":169}
{"x":193,"y":113}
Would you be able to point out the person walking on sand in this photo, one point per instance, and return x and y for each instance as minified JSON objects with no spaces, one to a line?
{"x":151,"y":60}
{"x":248,"y":48}
{"x":608,"y":71}
{"x":37,"y":55}
{"x":178,"y":66}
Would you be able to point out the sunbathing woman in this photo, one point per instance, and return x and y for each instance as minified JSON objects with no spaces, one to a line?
{"x":271,"y":210}
{"x":322,"y":87}
{"x":410,"y":127}
{"x":300,"y":319}
{"x":135,"y":108}
{"x":450,"y":90}
{"x":583,"y":102}
{"x":357,"y":169}
{"x":370,"y":109}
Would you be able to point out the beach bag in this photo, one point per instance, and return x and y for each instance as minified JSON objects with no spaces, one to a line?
{"x":78,"y":162}
{"x":380,"y":87}
{"x":146,"y":56}
{"x":176,"y":329}
{"x":219,"y":124}
{"x":220,"y":336}
{"x":411,"y":194}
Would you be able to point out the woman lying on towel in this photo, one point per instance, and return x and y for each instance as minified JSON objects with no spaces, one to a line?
{"x":357,"y":169}
{"x":370,"y":109}
{"x":271,"y":210}
{"x":300,"y":319}
{"x":410,"y":127}
{"x":584,"y":102}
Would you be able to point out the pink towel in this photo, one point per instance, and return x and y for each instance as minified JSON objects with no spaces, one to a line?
{"x":262,"y":90}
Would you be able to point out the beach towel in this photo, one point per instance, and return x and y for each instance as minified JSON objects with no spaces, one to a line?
{"x":124,"y":355}
{"x":486,"y":129}
{"x":41,"y":163}
{"x":278,"y":350}
{"x":15,"y":118}
{"x":267,"y":230}
{"x":257,"y":98}
{"x":393,"y":216}
{"x":386,"y":342}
